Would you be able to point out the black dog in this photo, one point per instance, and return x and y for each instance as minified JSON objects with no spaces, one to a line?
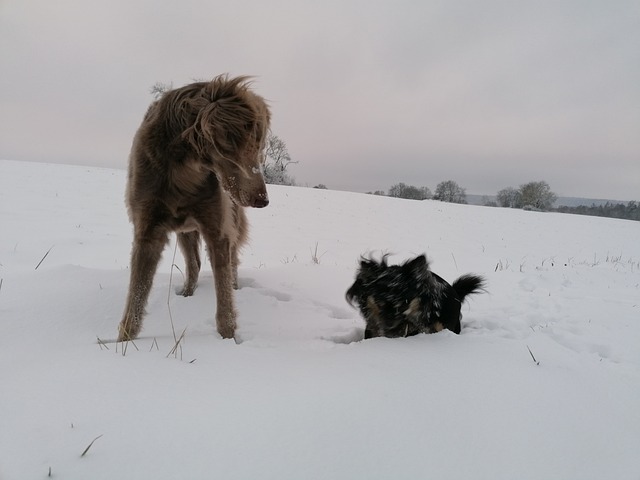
{"x":404,"y":300}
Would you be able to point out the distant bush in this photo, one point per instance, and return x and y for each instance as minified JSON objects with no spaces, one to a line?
{"x":535,"y":196}
{"x":402,"y":190}
{"x":508,"y":197}
{"x":450,"y":191}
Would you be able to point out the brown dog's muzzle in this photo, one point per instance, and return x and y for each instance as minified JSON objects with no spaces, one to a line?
{"x":260,"y":201}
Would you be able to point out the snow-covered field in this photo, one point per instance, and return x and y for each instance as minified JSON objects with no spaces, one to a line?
{"x":301,"y":396}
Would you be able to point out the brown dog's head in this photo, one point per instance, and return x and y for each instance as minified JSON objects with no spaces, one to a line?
{"x":226,"y":125}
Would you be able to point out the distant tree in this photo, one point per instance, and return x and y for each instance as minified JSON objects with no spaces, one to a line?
{"x":402,"y":190}
{"x":537,"y":195}
{"x":450,"y":191}
{"x":278,"y":159}
{"x":321,"y":186}
{"x":509,"y":197}
{"x":398,"y":190}
{"x":159,"y":88}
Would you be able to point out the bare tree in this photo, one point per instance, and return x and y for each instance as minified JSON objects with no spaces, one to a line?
{"x":278,"y":159}
{"x":159,"y":88}
{"x":537,"y":195}
{"x":509,"y":197}
{"x":450,"y":191}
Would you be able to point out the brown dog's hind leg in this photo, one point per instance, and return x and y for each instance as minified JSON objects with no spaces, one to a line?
{"x":189,"y":246}
{"x":145,"y":255}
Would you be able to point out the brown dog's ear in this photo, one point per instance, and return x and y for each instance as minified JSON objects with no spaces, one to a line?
{"x":222,"y":117}
{"x":223,"y":126}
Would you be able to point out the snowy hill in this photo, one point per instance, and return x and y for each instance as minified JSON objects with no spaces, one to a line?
{"x":301,"y":396}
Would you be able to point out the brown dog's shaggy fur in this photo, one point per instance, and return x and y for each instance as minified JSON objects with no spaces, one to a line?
{"x":195,"y":163}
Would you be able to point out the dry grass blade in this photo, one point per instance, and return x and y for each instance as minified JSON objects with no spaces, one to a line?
{"x":173,"y":264}
{"x":125,"y":345}
{"x":534,"y":358}
{"x":174,"y":350}
{"x":42,"y":259}
{"x":315,"y":258}
{"x":155,"y":342}
{"x":102,"y":344}
{"x":89,"y":446}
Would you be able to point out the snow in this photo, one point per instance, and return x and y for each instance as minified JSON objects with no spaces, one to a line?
{"x":302,"y":396}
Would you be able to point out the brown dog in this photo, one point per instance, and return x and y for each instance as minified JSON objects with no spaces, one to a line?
{"x":195,"y":163}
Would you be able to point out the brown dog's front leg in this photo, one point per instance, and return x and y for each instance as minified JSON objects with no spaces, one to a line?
{"x":145,"y":256}
{"x":220,"y":255}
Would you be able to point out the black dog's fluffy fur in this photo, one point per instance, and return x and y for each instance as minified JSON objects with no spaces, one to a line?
{"x":404,"y":300}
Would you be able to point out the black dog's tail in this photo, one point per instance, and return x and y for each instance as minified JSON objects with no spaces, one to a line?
{"x":468,"y":285}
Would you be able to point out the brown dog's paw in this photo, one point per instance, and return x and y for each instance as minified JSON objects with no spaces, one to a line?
{"x":227,"y":333}
{"x":226,"y":326}
{"x":186,"y":290}
{"x":128,"y":331}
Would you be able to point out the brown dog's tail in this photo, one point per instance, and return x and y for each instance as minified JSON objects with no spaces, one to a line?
{"x":468,"y":285}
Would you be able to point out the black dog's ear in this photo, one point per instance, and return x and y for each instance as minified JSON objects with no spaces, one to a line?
{"x":368,"y":264}
{"x":419,"y":263}
{"x":418,"y":268}
{"x":352,"y":294}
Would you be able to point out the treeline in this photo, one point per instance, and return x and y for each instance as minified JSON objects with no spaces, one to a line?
{"x":629,"y":211}
{"x":529,"y":196}
{"x":447,"y":191}
{"x":538,"y":196}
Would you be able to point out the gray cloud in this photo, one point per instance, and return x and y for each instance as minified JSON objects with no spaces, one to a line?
{"x":366,"y":94}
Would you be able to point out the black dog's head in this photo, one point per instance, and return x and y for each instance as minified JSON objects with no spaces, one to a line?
{"x":407,"y":299}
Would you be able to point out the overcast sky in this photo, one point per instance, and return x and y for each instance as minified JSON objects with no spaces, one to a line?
{"x":365,"y":94}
